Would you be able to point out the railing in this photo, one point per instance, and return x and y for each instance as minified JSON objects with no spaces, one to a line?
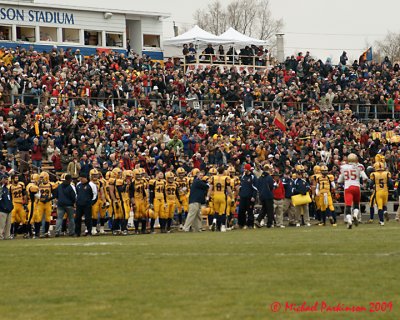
{"x":228,"y":59}
{"x":362,"y":111}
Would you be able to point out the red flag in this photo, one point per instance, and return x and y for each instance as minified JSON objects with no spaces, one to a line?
{"x":279,"y":121}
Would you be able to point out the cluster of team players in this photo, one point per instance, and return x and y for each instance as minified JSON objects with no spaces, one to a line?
{"x":121,"y":192}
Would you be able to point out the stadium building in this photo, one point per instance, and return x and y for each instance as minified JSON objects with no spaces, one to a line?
{"x":28,"y":23}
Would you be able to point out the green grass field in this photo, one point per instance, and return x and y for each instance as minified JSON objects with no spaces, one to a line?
{"x":236,"y":275}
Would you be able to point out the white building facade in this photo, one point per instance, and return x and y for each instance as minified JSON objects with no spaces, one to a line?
{"x":27,"y":23}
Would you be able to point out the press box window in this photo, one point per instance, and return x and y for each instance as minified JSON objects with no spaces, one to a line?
{"x":92,"y":38}
{"x":151,"y":40}
{"x":5,"y":33}
{"x":48,"y":34}
{"x":114,"y":40}
{"x":26,"y":34}
{"x":70,"y":35}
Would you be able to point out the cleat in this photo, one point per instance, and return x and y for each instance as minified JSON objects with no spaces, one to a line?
{"x":94,"y":231}
{"x":381,"y":223}
{"x":282,"y":226}
{"x":297,"y":224}
{"x":245,"y":228}
{"x":349,"y":226}
{"x":102,"y":230}
{"x":308,"y":224}
{"x":370,"y":221}
{"x":386,"y":214}
{"x":152,"y":231}
{"x":321,"y":224}
{"x":115,"y":233}
{"x":213,"y":226}
{"x":331,"y":220}
{"x":223,"y":228}
{"x":257,"y":224}
{"x":125,"y":232}
{"x":334,"y":225}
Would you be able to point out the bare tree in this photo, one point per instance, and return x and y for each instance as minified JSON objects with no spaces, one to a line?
{"x":250,"y":17}
{"x":268,"y":26}
{"x":390,"y":46}
{"x":212,"y":19}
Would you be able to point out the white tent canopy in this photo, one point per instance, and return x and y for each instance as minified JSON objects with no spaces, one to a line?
{"x":196,"y":35}
{"x":235,"y":37}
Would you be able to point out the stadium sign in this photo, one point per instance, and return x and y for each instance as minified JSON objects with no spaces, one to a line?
{"x":39,"y":16}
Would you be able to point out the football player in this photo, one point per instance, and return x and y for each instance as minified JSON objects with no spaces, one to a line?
{"x":19,"y":200}
{"x":138,"y":194}
{"x":44,"y":206}
{"x":115,"y":184}
{"x":183,"y":189}
{"x":97,"y":207}
{"x":350,"y":175}
{"x":33,"y":194}
{"x":172,"y":192}
{"x":380,"y":181}
{"x":126,"y":199}
{"x":325,"y":186}
{"x":212,"y":172}
{"x":158,"y":199}
{"x":220,"y":188}
{"x":234,"y":184}
{"x":316,"y":198}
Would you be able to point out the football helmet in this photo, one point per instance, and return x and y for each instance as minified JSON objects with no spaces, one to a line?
{"x":379,"y":166}
{"x":44,"y":176}
{"x":317,"y":169}
{"x":324,"y":169}
{"x":181,"y":172}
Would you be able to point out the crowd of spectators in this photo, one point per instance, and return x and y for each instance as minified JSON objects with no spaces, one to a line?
{"x":249,"y":55}
{"x":112,"y":109}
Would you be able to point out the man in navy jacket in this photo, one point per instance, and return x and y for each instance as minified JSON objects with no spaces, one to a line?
{"x":6,"y":206}
{"x":265,"y":186}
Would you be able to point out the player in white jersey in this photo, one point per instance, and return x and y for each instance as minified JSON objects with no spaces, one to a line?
{"x":350,"y":175}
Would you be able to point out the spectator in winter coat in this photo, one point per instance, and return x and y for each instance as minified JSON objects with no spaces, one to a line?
{"x":37,"y":154}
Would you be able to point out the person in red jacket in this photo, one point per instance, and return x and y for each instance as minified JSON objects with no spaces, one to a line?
{"x":56,"y":159}
{"x":37,"y":154}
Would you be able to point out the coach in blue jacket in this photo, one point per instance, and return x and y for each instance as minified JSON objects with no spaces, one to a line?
{"x":66,"y":199}
{"x":86,"y":195}
{"x":6,"y":206}
{"x":197,"y":198}
{"x":247,"y":198}
{"x":265,"y":186}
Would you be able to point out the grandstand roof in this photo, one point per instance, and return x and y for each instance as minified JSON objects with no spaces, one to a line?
{"x":83,"y":8}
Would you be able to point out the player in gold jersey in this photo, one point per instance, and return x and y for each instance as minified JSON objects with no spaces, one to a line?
{"x":114,"y":187}
{"x":325,"y":186}
{"x":97,"y":207}
{"x":172,"y":194}
{"x":212,"y":172}
{"x":380,"y":181}
{"x":183,"y":189}
{"x":138,"y":195}
{"x":33,"y":194}
{"x":316,"y":198}
{"x":234,"y":183}
{"x":158,"y":199}
{"x":44,"y":207}
{"x":220,"y":189}
{"x":19,"y":200}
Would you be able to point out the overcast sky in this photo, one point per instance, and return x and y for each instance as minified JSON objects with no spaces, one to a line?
{"x":325,"y":27}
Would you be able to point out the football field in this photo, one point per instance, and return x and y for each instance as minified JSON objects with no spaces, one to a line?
{"x":292,"y":273}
